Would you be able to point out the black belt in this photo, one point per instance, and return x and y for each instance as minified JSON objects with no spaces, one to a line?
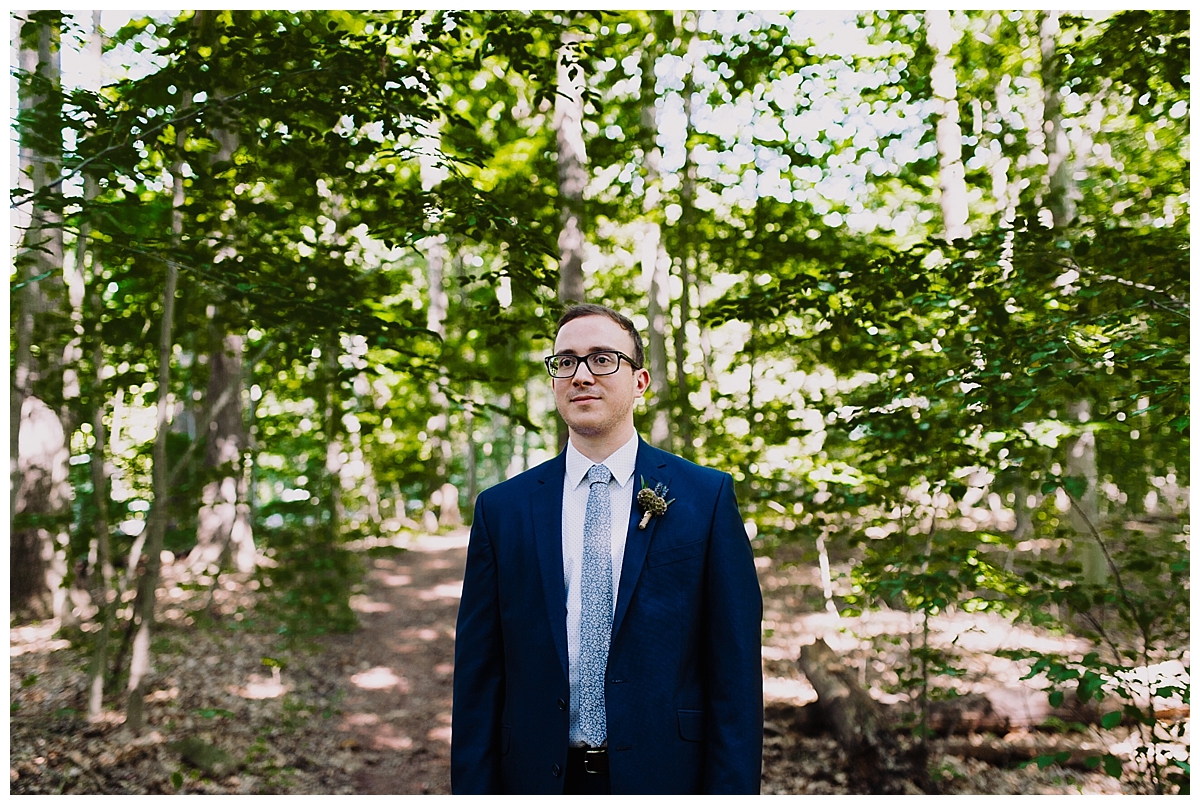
{"x":593,"y":761}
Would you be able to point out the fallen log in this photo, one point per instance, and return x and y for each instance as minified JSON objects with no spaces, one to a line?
{"x":1001,"y":752}
{"x":1003,"y":710}
{"x":860,"y":726}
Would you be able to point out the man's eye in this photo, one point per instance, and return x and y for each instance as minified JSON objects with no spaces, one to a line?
{"x":602,"y":359}
{"x":566,"y":363}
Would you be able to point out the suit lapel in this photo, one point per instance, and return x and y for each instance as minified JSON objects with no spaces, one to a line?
{"x":649,"y":465}
{"x":547,"y":503}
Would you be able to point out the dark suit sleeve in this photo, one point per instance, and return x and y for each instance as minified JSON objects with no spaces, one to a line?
{"x":733,"y":603}
{"x":478,"y":670}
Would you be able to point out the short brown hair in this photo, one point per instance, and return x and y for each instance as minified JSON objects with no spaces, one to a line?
{"x":579,"y":311}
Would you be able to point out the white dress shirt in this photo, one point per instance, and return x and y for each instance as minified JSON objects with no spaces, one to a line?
{"x":575,"y":496}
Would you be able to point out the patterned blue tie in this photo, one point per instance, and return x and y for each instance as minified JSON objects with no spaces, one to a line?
{"x":596,"y":597}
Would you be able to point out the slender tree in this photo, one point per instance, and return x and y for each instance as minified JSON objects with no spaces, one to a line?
{"x":572,"y":179}
{"x":686,"y":256}
{"x":40,"y":494}
{"x":940,"y":34}
{"x":1060,"y":198}
{"x":656,"y":263}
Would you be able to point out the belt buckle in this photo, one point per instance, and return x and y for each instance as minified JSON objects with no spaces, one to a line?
{"x":597,"y":756}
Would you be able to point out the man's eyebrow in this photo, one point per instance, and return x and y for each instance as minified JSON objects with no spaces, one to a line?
{"x":593,"y":350}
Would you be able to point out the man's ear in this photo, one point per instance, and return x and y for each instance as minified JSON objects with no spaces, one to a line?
{"x":642,"y":378}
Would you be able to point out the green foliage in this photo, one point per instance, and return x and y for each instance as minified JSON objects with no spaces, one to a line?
{"x":1147,"y":52}
{"x":309,"y":584}
{"x":903,"y":403}
{"x":1140,"y":626}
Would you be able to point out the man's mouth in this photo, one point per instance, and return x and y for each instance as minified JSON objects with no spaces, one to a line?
{"x":584,"y":398}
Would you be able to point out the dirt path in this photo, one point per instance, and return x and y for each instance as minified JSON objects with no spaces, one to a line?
{"x":397,"y":672}
{"x":396,"y":715}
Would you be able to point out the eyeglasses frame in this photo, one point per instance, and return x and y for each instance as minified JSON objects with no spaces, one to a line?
{"x":584,"y":359}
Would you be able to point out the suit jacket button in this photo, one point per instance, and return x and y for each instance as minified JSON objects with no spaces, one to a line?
{"x":562,"y":705}
{"x":555,"y":770}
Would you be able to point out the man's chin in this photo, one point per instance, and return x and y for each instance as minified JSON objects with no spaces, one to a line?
{"x":588,"y":429}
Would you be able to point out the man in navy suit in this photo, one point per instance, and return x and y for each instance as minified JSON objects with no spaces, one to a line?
{"x":606,"y":644}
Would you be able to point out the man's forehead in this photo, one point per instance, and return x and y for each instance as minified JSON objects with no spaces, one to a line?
{"x":591,"y":333}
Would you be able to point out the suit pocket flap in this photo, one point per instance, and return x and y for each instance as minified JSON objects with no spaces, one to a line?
{"x":691,"y":725}
{"x":676,"y":553}
{"x":505,"y":738}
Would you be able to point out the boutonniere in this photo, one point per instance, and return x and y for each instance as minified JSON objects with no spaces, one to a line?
{"x":652,"y":502}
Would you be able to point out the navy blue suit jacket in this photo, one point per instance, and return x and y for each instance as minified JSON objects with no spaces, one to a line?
{"x":683,"y":690}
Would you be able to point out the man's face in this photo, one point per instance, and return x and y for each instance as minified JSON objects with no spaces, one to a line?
{"x":596,"y":407}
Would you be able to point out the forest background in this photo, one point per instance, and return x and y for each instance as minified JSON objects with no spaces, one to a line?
{"x":919,"y":280}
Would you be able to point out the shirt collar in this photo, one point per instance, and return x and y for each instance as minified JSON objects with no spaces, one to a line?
{"x":621,"y":463}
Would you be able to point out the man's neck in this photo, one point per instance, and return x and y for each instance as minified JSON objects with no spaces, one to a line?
{"x":598,"y":448}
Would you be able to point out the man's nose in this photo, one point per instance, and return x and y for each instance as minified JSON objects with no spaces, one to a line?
{"x":583,"y":367}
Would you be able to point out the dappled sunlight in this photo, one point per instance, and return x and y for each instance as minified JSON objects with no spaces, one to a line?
{"x":37,"y":638}
{"x":796,"y":691}
{"x":386,"y":740}
{"x":453,"y":590}
{"x":360,"y":603}
{"x":441,"y":732}
{"x":396,"y":579}
{"x":167,"y":695}
{"x":260,"y":688}
{"x":380,"y":678}
{"x":425,"y":634}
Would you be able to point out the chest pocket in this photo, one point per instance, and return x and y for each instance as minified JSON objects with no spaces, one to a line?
{"x":676,"y":553}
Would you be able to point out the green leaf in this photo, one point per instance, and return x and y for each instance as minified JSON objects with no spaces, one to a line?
{"x":1056,"y":698}
{"x":1110,"y":720}
{"x":177,"y":779}
{"x":1112,"y":766}
{"x":1076,"y":486}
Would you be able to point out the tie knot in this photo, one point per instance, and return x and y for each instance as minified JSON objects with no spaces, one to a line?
{"x":599,"y":474}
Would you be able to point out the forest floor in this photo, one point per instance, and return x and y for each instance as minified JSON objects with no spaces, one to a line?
{"x":233,"y":709}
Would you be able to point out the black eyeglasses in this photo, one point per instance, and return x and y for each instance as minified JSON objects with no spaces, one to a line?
{"x":605,"y":362}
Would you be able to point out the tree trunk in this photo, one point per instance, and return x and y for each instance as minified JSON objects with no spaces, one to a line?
{"x":438,"y":426}
{"x":218,"y":522}
{"x":656,"y":263}
{"x":100,"y":555}
{"x":99,"y":472}
{"x":39,"y":492}
{"x":1085,"y":509}
{"x":139,"y":665}
{"x":36,"y":564}
{"x":687,"y":195}
{"x":951,"y":172}
{"x":859,"y":725}
{"x":572,"y":173}
{"x":223,"y":528}
{"x":572,"y":179}
{"x":331,"y":416}
{"x":437,"y":254}
{"x":1061,"y":198}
